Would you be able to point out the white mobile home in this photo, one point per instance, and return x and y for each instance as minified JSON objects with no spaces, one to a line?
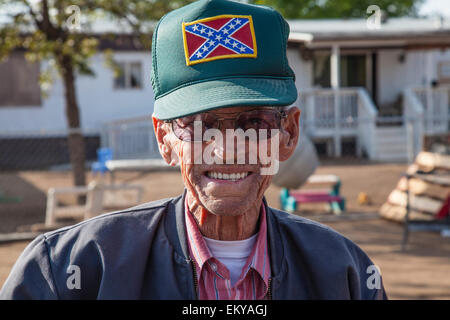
{"x":379,"y":91}
{"x":387,"y":89}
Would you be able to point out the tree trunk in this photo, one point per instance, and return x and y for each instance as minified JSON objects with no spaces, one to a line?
{"x":75,"y":138}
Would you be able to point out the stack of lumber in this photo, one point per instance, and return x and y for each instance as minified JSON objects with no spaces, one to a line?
{"x":429,"y":186}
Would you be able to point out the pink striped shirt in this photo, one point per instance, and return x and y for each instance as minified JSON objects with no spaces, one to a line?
{"x":213,"y":277}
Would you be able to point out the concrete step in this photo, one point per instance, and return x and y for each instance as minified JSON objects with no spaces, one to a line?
{"x":401,"y":157}
{"x":391,"y":144}
{"x":387,"y":133}
{"x":390,"y":129}
{"x":391,"y":148}
{"x":391,"y":135}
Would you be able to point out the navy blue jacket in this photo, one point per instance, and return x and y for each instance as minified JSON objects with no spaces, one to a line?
{"x":141,"y":253}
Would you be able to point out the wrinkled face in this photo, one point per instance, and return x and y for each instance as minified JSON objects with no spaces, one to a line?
{"x":225,"y":175}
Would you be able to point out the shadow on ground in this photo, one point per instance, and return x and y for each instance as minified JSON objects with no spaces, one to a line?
{"x":23,"y":203}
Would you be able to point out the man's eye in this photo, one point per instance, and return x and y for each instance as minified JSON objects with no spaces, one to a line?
{"x":184,"y":124}
{"x":255,"y":120}
{"x":209,"y":125}
{"x":256,"y":123}
{"x":251,"y":122}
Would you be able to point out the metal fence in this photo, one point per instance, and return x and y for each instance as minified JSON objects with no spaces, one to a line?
{"x":48,"y":150}
{"x":131,"y":139}
{"x":38,"y":150}
{"x":135,"y":139}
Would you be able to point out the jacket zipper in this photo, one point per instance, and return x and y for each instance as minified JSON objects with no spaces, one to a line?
{"x":194,"y":270}
{"x":269,"y":290}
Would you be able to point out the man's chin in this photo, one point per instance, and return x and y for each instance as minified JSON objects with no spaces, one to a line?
{"x":227,"y":206}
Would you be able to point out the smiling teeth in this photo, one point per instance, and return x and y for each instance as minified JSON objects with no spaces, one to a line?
{"x":226,"y":176}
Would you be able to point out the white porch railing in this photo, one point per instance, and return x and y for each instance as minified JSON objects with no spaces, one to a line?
{"x":435,"y":103}
{"x":326,"y":113}
{"x":335,"y":113}
{"x":426,"y":112}
{"x":367,"y":116}
{"x":131,"y":138}
{"x":413,"y":113}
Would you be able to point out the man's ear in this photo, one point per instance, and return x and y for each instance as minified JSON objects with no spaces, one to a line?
{"x":290,"y":133}
{"x":161,"y":132}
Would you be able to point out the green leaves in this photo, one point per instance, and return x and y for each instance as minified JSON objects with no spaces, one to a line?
{"x":319,"y":9}
{"x":9,"y":39}
{"x":111,"y":63}
{"x":45,"y":28}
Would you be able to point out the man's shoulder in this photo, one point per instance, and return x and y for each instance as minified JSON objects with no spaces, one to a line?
{"x":341,"y":267}
{"x":101,"y":247}
{"x":314,"y":235}
{"x":297,"y":222}
{"x":143,"y":215}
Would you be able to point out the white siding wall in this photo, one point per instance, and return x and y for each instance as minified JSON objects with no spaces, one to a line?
{"x":441,"y":56}
{"x":99,"y":102}
{"x":302,"y":69}
{"x":394,"y":76}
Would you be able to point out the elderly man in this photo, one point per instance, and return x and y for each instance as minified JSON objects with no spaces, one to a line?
{"x":220,"y":74}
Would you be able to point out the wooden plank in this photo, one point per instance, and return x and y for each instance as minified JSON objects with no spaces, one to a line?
{"x":42,"y":227}
{"x":430,"y":161}
{"x":439,"y":179}
{"x":412,"y":169}
{"x":425,"y":188}
{"x":316,"y":198}
{"x":397,"y":213}
{"x":139,"y":165}
{"x":323,"y":178}
{"x":70,"y":211}
{"x":310,"y":192}
{"x":418,"y":203}
{"x":18,"y":236}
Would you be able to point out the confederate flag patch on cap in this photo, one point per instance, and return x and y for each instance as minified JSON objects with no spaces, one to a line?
{"x":219,"y":37}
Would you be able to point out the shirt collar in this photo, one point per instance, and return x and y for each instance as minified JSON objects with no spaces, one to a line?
{"x":200,"y":253}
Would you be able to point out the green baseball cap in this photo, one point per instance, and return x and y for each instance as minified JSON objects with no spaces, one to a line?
{"x":218,"y":53}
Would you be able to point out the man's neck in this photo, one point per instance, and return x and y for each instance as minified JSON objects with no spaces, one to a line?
{"x":228,"y":228}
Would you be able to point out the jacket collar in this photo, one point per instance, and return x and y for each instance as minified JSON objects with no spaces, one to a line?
{"x":175,"y":226}
{"x":176,"y":232}
{"x":276,"y":247}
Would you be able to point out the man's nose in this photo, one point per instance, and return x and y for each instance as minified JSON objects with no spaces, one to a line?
{"x":223,"y":149}
{"x":229,"y":151}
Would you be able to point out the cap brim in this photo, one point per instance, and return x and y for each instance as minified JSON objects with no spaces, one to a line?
{"x":214,"y":94}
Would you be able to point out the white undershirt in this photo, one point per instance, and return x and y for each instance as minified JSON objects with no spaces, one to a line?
{"x":233,"y":254}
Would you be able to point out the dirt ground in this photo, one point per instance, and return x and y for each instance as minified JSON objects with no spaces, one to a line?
{"x":421,"y":272}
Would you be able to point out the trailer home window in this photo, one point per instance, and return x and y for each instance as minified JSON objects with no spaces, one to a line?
{"x":130,"y":76}
{"x":19,"y":82}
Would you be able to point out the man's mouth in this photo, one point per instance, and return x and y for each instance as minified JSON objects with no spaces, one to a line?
{"x":227,"y":176}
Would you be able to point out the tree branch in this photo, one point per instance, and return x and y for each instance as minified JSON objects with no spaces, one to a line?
{"x":32,"y":14}
{"x":46,"y":23}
